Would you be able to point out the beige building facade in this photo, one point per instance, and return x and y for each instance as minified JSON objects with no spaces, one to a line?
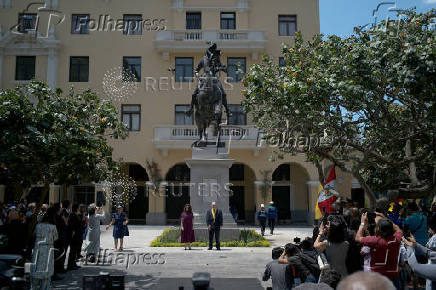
{"x":86,"y":44}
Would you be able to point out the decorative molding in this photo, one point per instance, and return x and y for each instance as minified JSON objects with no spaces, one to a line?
{"x":355,"y":184}
{"x":313,"y":183}
{"x":243,"y":5}
{"x":27,"y":44}
{"x":178,"y":5}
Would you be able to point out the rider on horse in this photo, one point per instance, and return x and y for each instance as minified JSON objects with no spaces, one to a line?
{"x":211,"y":61}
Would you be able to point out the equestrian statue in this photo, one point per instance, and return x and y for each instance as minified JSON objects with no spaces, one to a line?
{"x":209,"y":96}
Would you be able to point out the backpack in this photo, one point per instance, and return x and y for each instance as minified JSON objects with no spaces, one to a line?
{"x":262,"y":214}
{"x":310,"y":263}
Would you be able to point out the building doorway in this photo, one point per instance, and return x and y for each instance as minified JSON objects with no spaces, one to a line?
{"x":281,"y":192}
{"x":138,"y":207}
{"x":177,"y":191}
{"x":237,"y":201}
{"x":281,"y":196}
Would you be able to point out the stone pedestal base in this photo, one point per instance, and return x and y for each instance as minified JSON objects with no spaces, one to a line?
{"x":210,"y":183}
{"x":226,"y":234}
{"x":156,"y":218}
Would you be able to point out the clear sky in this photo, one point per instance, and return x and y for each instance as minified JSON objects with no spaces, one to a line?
{"x":341,"y":16}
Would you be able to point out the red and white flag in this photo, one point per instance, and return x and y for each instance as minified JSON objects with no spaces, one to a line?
{"x":326,"y":195}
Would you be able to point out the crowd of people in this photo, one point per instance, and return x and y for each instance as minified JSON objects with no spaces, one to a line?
{"x":52,"y":237}
{"x":395,"y":246}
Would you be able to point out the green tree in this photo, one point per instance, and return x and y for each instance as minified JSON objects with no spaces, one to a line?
{"x":51,"y":137}
{"x":369,"y":100}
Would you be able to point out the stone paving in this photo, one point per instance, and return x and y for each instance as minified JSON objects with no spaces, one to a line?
{"x":143,"y":265}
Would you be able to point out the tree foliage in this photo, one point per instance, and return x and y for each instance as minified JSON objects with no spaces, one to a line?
{"x":51,"y":137}
{"x":369,"y":99}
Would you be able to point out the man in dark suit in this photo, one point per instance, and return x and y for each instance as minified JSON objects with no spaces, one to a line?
{"x":214,"y":220}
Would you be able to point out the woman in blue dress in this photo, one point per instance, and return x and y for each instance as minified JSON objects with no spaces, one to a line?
{"x":119,"y":221}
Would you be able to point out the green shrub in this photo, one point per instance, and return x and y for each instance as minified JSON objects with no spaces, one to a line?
{"x":247,"y":238}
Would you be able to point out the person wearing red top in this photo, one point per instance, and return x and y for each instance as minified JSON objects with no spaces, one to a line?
{"x":385,"y":246}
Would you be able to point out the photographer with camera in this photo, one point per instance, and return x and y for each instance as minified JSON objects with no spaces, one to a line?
{"x":303,"y":262}
{"x":384,"y":246}
{"x":280,"y":274}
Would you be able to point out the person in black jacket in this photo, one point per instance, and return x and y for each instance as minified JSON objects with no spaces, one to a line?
{"x":16,"y":232}
{"x":303,"y":262}
{"x":59,"y":244}
{"x":214,"y":221}
{"x":75,"y":227}
{"x":84,"y":224}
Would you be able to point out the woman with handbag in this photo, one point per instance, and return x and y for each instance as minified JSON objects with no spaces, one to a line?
{"x":119,"y":221}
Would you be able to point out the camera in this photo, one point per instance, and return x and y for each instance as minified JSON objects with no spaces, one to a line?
{"x":371,"y":217}
{"x":371,"y":222}
{"x":297,"y":240}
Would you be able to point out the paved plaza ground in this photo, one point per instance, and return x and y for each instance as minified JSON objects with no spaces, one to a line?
{"x":245,"y":264}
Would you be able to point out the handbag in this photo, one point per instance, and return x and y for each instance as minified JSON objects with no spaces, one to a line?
{"x":126,"y":230}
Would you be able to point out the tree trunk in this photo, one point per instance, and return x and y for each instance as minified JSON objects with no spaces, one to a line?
{"x":44,"y":193}
{"x":412,"y":167}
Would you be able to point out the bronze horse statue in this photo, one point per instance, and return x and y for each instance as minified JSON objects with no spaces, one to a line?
{"x":209,"y":106}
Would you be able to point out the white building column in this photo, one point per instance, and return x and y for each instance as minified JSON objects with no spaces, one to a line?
{"x":54,"y":193}
{"x":312,"y":188}
{"x":52,"y":67}
{"x":156,"y":204}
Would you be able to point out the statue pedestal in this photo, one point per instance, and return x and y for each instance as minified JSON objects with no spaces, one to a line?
{"x":210,"y":182}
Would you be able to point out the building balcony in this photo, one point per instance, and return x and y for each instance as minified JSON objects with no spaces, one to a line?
{"x":234,"y":41}
{"x":167,"y":137}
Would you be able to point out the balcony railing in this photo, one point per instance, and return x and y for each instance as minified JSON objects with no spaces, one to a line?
{"x":179,"y":40}
{"x":209,"y":35}
{"x":176,"y":136}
